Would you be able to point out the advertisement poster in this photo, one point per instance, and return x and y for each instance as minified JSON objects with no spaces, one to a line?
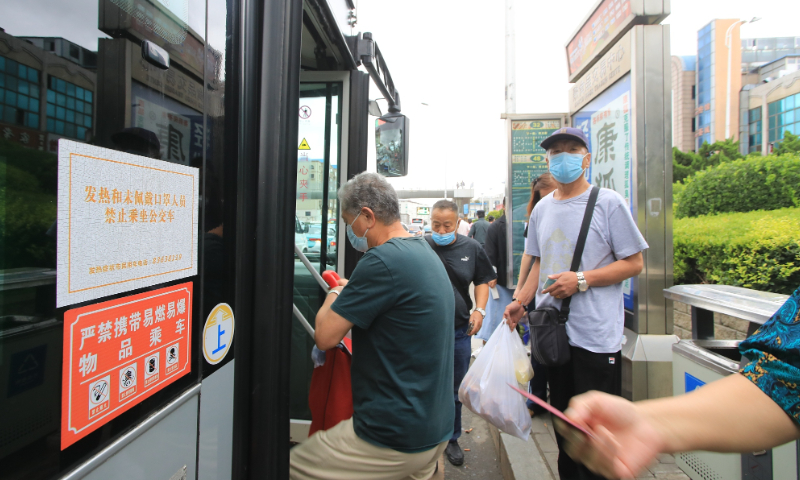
{"x":527,"y":163}
{"x":120,"y":352}
{"x":124,"y":222}
{"x":609,"y":18}
{"x":607,"y":123}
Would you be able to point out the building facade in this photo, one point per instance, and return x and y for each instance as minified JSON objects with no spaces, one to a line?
{"x":717,"y":104}
{"x":684,"y":95}
{"x":757,"y":52}
{"x":44,"y":95}
{"x":773,"y":109}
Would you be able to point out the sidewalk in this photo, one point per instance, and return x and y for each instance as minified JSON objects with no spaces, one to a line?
{"x":536,"y":459}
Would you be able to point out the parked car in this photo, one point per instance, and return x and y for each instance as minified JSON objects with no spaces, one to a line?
{"x":416,"y":229}
{"x":314,"y":239}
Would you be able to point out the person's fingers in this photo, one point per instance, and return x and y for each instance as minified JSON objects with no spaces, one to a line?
{"x":477,"y":327}
{"x":342,"y":282}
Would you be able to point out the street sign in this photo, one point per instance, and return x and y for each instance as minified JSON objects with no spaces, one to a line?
{"x":526,"y":162}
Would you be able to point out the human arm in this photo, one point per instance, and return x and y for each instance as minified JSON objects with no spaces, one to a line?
{"x":330,"y":326}
{"x":567,"y":282}
{"x":471,"y":233}
{"x":481,"y":297}
{"x":525,"y":295}
{"x":524,"y":270}
{"x":730,"y":415}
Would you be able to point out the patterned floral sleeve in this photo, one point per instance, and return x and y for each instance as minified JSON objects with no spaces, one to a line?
{"x":774,"y":354}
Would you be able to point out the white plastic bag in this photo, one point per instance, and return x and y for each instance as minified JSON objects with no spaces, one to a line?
{"x":485,"y":389}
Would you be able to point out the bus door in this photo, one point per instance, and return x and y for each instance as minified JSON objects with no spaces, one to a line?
{"x":118,"y":163}
{"x":321,"y":165}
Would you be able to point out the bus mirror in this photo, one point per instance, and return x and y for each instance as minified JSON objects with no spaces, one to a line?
{"x":391,"y":145}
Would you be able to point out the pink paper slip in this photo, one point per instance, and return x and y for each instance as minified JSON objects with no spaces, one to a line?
{"x":552,"y":410}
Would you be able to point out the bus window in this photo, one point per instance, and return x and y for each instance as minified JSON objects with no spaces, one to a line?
{"x":73,"y":72}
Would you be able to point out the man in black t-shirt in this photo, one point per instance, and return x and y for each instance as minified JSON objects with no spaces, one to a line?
{"x":465,"y":262}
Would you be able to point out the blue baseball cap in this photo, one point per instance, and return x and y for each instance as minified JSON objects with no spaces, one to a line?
{"x":566,"y":133}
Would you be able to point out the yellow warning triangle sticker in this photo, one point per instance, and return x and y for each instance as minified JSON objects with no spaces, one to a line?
{"x":304,"y":145}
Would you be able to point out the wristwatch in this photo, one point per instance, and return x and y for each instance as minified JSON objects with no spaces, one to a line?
{"x":483,"y":312}
{"x":582,"y":285}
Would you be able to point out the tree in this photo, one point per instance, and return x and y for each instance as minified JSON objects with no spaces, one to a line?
{"x":684,"y":164}
{"x":789,"y":144}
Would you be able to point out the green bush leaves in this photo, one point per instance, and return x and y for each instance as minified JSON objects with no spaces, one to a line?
{"x":758,"y":250}
{"x":753,"y":183}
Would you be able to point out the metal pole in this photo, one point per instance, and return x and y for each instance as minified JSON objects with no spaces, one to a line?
{"x":299,"y":316}
{"x":314,"y":272}
{"x":511,"y":95}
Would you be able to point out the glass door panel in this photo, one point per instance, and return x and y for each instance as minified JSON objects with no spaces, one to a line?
{"x":316,"y":224}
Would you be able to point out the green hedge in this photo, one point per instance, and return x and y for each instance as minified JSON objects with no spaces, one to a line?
{"x":755,"y":183}
{"x":758,"y":250}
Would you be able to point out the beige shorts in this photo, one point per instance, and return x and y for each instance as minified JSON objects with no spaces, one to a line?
{"x":339,"y":454}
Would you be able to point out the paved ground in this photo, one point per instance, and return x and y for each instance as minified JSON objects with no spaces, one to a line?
{"x":544,"y":445}
{"x":481,"y":462}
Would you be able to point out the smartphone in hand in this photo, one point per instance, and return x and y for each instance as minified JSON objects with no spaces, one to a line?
{"x":548,"y":283}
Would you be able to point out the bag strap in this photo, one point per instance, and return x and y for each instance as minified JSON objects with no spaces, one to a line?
{"x":450,"y":273}
{"x":576,"y":257}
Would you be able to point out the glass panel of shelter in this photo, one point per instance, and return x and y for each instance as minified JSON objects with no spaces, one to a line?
{"x":49,"y":90}
{"x":316,"y":225}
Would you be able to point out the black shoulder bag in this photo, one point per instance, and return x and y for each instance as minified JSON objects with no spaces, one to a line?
{"x":450,"y":273}
{"x":549,"y":341}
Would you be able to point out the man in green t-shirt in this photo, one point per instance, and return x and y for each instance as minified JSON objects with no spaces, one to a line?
{"x":400,"y":307}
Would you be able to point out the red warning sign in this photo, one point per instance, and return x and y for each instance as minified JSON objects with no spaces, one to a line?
{"x":118,"y":353}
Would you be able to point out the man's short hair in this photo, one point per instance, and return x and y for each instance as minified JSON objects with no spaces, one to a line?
{"x":370,"y":190}
{"x":490,"y":218}
{"x":446,"y":205}
{"x":480,"y":213}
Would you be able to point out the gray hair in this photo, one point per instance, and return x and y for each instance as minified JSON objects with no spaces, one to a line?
{"x":372,"y":191}
{"x":446,"y":205}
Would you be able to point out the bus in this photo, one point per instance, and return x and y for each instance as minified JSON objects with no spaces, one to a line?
{"x":160,"y":165}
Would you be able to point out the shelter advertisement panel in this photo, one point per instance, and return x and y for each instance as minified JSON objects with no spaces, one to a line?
{"x":527,"y":163}
{"x":120,"y":352}
{"x":600,"y":29}
{"x":124,"y":222}
{"x":607,"y":122}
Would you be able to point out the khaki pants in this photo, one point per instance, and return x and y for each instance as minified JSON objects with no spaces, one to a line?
{"x":339,"y":454}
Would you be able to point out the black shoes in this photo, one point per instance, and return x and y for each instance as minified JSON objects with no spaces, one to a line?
{"x":454,"y":453}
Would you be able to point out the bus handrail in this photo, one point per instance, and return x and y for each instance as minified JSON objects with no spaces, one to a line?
{"x":299,"y":316}
{"x":314,"y":272}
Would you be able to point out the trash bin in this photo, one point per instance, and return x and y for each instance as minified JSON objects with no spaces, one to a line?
{"x":697,"y":362}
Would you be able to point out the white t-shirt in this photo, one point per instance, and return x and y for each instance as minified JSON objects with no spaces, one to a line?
{"x":597,"y":316}
{"x":463,"y":227}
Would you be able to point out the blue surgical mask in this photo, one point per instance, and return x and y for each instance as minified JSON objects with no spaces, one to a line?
{"x":359,"y":243}
{"x":443,"y":239}
{"x":567,"y":167}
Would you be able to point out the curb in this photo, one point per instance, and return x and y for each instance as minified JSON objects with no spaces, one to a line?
{"x":519,"y":459}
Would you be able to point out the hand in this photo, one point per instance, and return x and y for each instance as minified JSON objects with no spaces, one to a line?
{"x":625,"y":441}
{"x":477,"y":320}
{"x":513,"y":314}
{"x":566,"y":285}
{"x":342,"y":282}
{"x":493,"y":283}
